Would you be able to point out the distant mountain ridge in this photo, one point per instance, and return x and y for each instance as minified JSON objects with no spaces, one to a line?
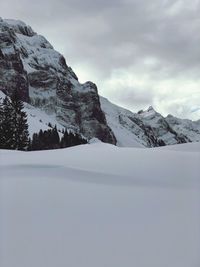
{"x":148,"y":128}
{"x":52,"y":93}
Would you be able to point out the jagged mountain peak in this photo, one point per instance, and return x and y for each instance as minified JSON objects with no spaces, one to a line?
{"x":150,"y":108}
{"x":17,"y":26}
{"x":149,"y":113}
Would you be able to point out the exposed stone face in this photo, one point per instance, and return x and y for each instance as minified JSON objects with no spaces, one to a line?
{"x":13,"y":76}
{"x":28,"y":62}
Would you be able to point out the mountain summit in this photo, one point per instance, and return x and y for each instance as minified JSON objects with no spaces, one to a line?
{"x":51,"y":89}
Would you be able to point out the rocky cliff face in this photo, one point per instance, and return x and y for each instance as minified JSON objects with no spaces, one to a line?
{"x":12,"y":72}
{"x":189,"y":128}
{"x":28,"y":62}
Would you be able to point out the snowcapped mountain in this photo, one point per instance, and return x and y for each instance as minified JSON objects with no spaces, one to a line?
{"x":148,"y":128}
{"x":52,"y":94}
{"x":28,"y":62}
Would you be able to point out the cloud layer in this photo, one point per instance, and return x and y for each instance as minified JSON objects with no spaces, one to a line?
{"x":139,"y":52}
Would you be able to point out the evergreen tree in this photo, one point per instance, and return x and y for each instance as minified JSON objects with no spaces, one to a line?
{"x":55,"y":139}
{"x":13,"y":124}
{"x":7,"y":127}
{"x":49,"y":139}
{"x":19,"y":120}
{"x":71,"y":139}
{"x":35,"y":143}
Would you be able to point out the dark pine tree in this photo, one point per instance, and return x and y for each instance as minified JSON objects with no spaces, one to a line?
{"x":21,"y":134}
{"x":55,"y":139}
{"x":71,"y":139}
{"x":35,"y":143}
{"x":7,"y":130}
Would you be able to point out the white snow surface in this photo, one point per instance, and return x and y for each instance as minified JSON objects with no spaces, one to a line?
{"x":40,"y":120}
{"x":100,"y":205}
{"x":126,"y":133}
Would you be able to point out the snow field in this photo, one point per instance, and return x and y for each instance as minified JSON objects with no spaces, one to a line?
{"x":99,"y":205}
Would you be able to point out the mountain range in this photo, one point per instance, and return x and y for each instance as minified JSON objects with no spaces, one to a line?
{"x":52,"y":94}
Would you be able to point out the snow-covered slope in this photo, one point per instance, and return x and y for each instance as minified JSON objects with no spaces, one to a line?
{"x":39,"y":120}
{"x":100,"y":205}
{"x":126,"y":131}
{"x":148,"y":128}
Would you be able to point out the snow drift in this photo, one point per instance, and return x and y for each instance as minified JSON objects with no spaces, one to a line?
{"x":100,"y":205}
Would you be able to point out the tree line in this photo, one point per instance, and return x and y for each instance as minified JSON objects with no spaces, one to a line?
{"x":13,"y":124}
{"x":50,"y":139}
{"x":14,"y":130}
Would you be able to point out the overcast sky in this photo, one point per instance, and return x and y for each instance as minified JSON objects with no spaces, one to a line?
{"x":138,"y":52}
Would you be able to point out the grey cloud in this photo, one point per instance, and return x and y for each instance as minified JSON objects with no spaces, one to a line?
{"x":121,"y":34}
{"x":133,"y":98}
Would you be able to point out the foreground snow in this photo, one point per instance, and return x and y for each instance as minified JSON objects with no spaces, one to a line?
{"x":99,"y":205}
